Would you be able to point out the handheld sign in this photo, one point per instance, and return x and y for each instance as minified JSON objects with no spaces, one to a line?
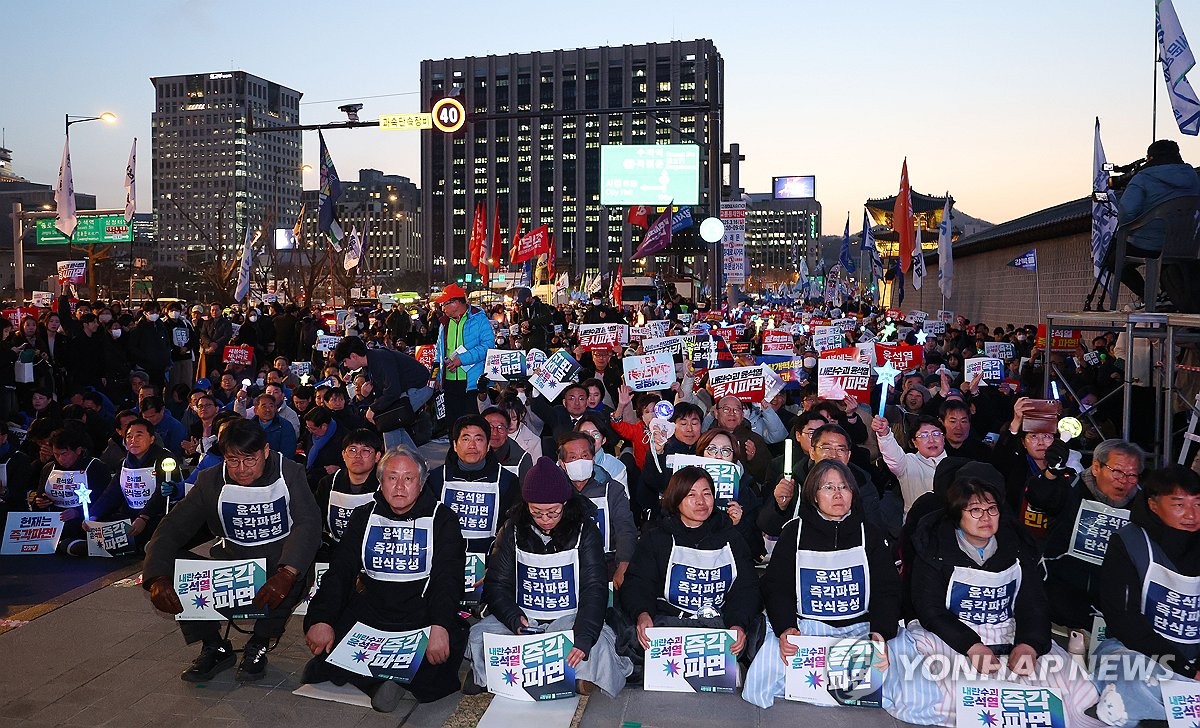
{"x":375,"y":653}
{"x":837,"y":378}
{"x":649,"y":373}
{"x":835,"y":671}
{"x":724,"y":474}
{"x":109,"y":539}
{"x":992,"y":370}
{"x":690,"y":660}
{"x":552,"y":378}
{"x":502,"y":365}
{"x":219,"y":590}
{"x":530,"y":668}
{"x":1181,"y":699}
{"x":241,"y":355}
{"x":990,"y":703}
{"x":999,"y":349}
{"x":777,"y":341}
{"x":27,"y":534}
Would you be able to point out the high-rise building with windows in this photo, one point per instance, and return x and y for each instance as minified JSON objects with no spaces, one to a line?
{"x":213,"y":179}
{"x":530,"y":147}
{"x":779,"y":232}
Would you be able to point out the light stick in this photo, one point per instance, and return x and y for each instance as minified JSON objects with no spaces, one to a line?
{"x":168,"y":466}
{"x":85,"y":497}
{"x":887,"y":377}
{"x":921,"y":337}
{"x":887,"y":330}
{"x":787,"y":458}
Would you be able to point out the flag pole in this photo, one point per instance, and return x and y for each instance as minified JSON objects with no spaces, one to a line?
{"x":1037,"y":278}
{"x":1154,"y":84}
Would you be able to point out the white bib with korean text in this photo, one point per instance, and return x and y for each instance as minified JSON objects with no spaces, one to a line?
{"x":477,"y":506}
{"x":601,"y":519}
{"x":341,"y":505}
{"x":986,"y":601}
{"x":62,"y":484}
{"x":137,"y":485}
{"x":548,"y":584}
{"x":698,"y":578}
{"x":398,"y":550}
{"x":255,"y":515}
{"x":1095,"y":523}
{"x":832,"y":585}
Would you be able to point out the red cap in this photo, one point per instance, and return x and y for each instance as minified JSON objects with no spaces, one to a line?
{"x":451,"y":292}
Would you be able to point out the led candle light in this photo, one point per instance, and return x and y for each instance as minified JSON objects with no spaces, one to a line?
{"x":887,"y":377}
{"x":787,"y":457}
{"x":85,"y":497}
{"x":168,"y":466}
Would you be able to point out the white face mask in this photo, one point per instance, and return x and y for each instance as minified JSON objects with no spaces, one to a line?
{"x":152,"y":316}
{"x":595,"y":301}
{"x":253,"y":319}
{"x":579,"y":469}
{"x":174,"y":314}
{"x":116,"y":333}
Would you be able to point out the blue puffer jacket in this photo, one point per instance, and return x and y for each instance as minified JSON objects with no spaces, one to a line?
{"x":478,"y":337}
{"x":1151,"y":186}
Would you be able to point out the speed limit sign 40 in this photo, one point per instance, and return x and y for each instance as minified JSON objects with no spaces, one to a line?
{"x":448,"y":115}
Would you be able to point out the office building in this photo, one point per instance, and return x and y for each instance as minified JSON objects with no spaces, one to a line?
{"x":211,"y":178}
{"x":530,"y":146}
{"x":779,"y":232}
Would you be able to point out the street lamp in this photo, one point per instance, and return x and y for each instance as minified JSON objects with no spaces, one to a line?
{"x":69,"y":119}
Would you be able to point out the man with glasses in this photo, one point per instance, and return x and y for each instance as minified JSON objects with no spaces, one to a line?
{"x":560,"y":419}
{"x":341,"y":492}
{"x":1084,"y":511}
{"x":754,"y":426}
{"x":512,"y":457}
{"x":253,"y":479}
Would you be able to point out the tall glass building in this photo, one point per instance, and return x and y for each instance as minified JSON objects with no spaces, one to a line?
{"x":530,"y":147}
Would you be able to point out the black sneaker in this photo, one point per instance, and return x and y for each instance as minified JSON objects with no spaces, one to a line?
{"x":387,"y":696}
{"x":254,"y":662}
{"x":469,"y":686}
{"x":213,"y":659}
{"x":314,"y":671}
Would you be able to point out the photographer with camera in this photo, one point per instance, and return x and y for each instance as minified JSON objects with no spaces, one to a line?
{"x":1163,"y":177}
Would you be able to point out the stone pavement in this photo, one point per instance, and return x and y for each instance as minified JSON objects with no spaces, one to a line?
{"x":105,"y":657}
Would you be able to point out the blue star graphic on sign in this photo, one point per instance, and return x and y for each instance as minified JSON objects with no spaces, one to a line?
{"x":671,"y":668}
{"x":200,"y":602}
{"x":360,"y":656}
{"x":987,"y":718}
{"x":510,"y":677}
{"x":813,"y":679}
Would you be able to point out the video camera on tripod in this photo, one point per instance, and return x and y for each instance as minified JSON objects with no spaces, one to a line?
{"x":1120,"y":174}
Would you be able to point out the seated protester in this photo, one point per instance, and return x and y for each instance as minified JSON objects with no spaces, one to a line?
{"x":41,"y":406}
{"x":828,"y":442}
{"x":255,"y":477}
{"x":974,"y":546}
{"x":170,"y":430}
{"x":1072,"y":502}
{"x":1021,"y":457}
{"x":280,"y":435}
{"x":394,"y":594}
{"x":321,"y":436}
{"x":961,"y":442}
{"x":576,"y":453}
{"x":37,"y":448}
{"x":552,"y":528}
{"x":1152,"y":565}
{"x":213,"y":455}
{"x":71,"y":471}
{"x":227,"y":392}
{"x":16,"y":472}
{"x":203,"y":434}
{"x":754,"y":427}
{"x":655,"y":473}
{"x":803,"y":427}
{"x":364,"y":394}
{"x":593,"y":425}
{"x":914,"y":470}
{"x":519,"y":428}
{"x":844,"y":413}
{"x":352,"y":486}
{"x":596,"y":397}
{"x":473,"y":484}
{"x":276,"y":390}
{"x":560,"y":419}
{"x":510,"y":455}
{"x":348,"y":419}
{"x":661,"y":588}
{"x":141,"y":489}
{"x":718,"y":444}
{"x":636,"y":431}
{"x":302,"y":400}
{"x":829,"y":534}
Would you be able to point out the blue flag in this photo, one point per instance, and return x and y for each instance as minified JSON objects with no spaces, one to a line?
{"x":847,"y":263}
{"x":868,"y":244}
{"x":1025,"y":261}
{"x":331,"y":190}
{"x":681,"y":220}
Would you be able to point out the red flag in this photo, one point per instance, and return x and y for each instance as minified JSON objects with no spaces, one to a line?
{"x":618,"y":288}
{"x":550,"y":262}
{"x":902,"y":220}
{"x":512,"y":253}
{"x":493,"y":257}
{"x":531,"y":244}
{"x":639,"y":215}
{"x":478,"y":231}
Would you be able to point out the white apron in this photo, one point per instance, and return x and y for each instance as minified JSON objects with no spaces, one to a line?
{"x":698,"y":578}
{"x":833,"y":585}
{"x":252,"y":516}
{"x":548,"y":584}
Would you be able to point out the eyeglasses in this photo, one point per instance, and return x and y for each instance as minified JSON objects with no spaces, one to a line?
{"x":833,"y":487}
{"x":1120,"y":474}
{"x":595,"y":435}
{"x":499,"y":428}
{"x":978,"y":513}
{"x":834,"y":449}
{"x":720,"y":452}
{"x":809,"y":432}
{"x":244,"y":462}
{"x":546,"y":515}
{"x":929,"y":436}
{"x":1041,"y":437}
{"x":357,"y":452}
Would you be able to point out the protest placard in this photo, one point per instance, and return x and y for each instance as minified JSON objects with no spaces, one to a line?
{"x":790,"y":369}
{"x":28,"y":534}
{"x":991,"y":369}
{"x":327,"y":342}
{"x":375,"y":653}
{"x":749,"y":384}
{"x":916,"y":318}
{"x":502,"y":365}
{"x":827,"y":337}
{"x":42,"y":299}
{"x":72,"y":271}
{"x":319,"y":569}
{"x":649,"y":373}
{"x":1095,"y":523}
{"x":778,"y":341}
{"x":999,"y":350}
{"x":554,"y":375}
{"x":846,"y":323}
{"x":837,"y":378}
{"x":1061,"y":340}
{"x":724,"y":474}
{"x":602,"y":336}
{"x":945,"y":317}
{"x":894,"y":314}
{"x":934,"y":327}
{"x":902,"y":356}
{"x":110,"y":538}
{"x":427,"y":355}
{"x":670,"y":344}
{"x":530,"y":668}
{"x":242,"y":355}
{"x":992,"y":703}
{"x":1181,"y":699}
{"x":300,"y":368}
{"x":707,"y":352}
{"x":690,"y":660}
{"x":833,"y":671}
{"x":476,"y":567}
{"x":219,"y":590}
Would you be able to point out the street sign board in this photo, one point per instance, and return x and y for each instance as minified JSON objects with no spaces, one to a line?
{"x":91,"y":230}
{"x":405,"y":122}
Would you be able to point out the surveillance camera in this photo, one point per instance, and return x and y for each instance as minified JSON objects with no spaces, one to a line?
{"x":351,"y":110}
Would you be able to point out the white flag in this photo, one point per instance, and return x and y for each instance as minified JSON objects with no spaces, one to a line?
{"x":945,"y":252}
{"x":1177,"y":59}
{"x":64,"y":194}
{"x":353,"y":250}
{"x":130,"y":187}
{"x":1104,"y":214}
{"x":243,"y":284}
{"x":868,"y":244}
{"x":918,"y":262}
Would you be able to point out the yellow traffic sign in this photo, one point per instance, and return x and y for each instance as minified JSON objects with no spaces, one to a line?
{"x":405,"y":122}
{"x":448,"y":115}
